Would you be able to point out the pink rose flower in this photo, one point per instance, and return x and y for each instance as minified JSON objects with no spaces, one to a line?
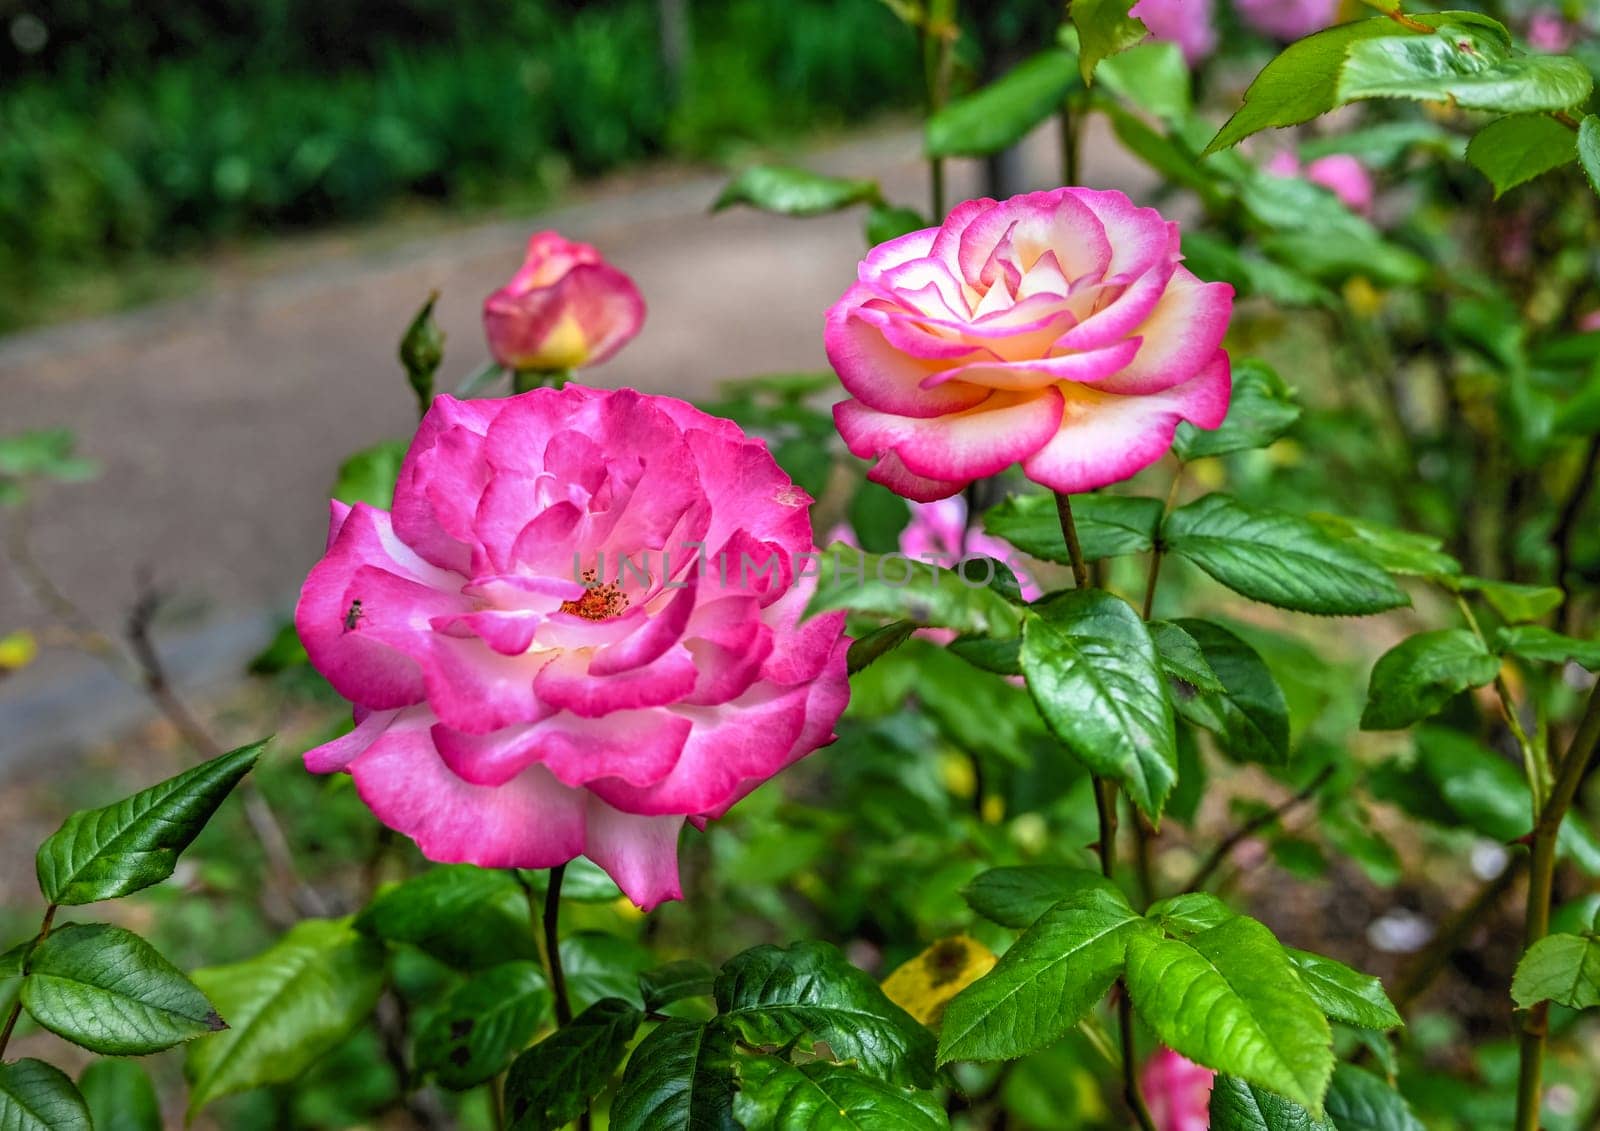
{"x":1056,"y":329}
{"x":565,"y":308}
{"x":1287,"y":19}
{"x":1339,"y":173}
{"x":508,"y":715}
{"x":1188,"y":23}
{"x":1177,"y":1092}
{"x":1549,"y":32}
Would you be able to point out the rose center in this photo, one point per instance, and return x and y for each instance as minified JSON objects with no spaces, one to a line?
{"x":599,"y":602}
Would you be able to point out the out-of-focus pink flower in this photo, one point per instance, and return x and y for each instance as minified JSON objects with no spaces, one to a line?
{"x":510,"y":715}
{"x":1287,"y":19}
{"x":1057,"y":329}
{"x":1590,"y":322}
{"x":1188,"y":23}
{"x":1339,"y":173}
{"x":938,"y":534}
{"x":565,"y":308}
{"x":1549,"y":32}
{"x":1177,"y":1092}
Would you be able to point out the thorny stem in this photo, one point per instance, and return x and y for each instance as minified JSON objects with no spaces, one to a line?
{"x":16,"y":1006}
{"x":1255,"y":824}
{"x":1541,"y":879}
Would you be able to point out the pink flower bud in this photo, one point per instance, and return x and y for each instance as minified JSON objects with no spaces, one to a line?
{"x":1187,"y":23}
{"x":564,"y":309}
{"x":1549,"y":33}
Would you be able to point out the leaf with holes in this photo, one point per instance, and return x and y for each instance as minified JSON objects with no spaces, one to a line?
{"x":482,"y":1024}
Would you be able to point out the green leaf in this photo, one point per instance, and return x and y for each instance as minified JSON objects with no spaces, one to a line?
{"x":1104,"y":28}
{"x":1048,"y":981}
{"x":878,"y":516}
{"x":369,"y":475}
{"x":584,"y":881}
{"x":680,"y":1078}
{"x":288,"y":1007}
{"x":1589,"y":150}
{"x":1248,"y":712}
{"x":1360,"y":1101}
{"x":1183,"y":662}
{"x":777,"y":1096}
{"x":879,"y":643}
{"x":687,"y":977}
{"x":35,"y":1096}
{"x":1564,"y":969}
{"x":44,"y":454}
{"x":1230,"y":999}
{"x":1238,"y":1106}
{"x":795,"y":192}
{"x":1398,"y":551}
{"x":886,"y":222}
{"x":1517,"y":603}
{"x":999,"y":115}
{"x":120,"y":1096}
{"x":1107,"y":525}
{"x":465,"y":916}
{"x":1519,"y":148}
{"x":482,"y":1024}
{"x":104,"y":853}
{"x":1301,"y":83}
{"x":1418,"y":676}
{"x":1261,"y":410}
{"x":893,"y":585}
{"x":1469,"y":67}
{"x":108,"y":990}
{"x":1017,"y":896}
{"x":600,"y":965}
{"x":1278,"y":558}
{"x":1189,"y":913}
{"x":1344,"y":994}
{"x":1091,"y":668}
{"x":552,"y":1083}
{"x":771,"y":996}
{"x":1532,"y":642}
{"x":1151,"y":76}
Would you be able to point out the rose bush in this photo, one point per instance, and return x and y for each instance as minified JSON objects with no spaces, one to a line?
{"x":511,"y":715}
{"x":1059,"y":330}
{"x":565,"y":308}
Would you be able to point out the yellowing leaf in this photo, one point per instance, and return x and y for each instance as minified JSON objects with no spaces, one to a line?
{"x":924,"y":986}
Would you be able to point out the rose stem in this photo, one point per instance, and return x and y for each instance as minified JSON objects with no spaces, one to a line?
{"x":1105,"y":802}
{"x":549,"y":940}
{"x":16,"y":1006}
{"x":1541,"y":878}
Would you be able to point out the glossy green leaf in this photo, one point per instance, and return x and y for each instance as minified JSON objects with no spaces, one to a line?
{"x":999,"y":115}
{"x":35,"y":1096}
{"x":1151,"y":76}
{"x":1561,"y":968}
{"x":1183,"y":662}
{"x":1520,"y":147}
{"x":288,"y":1007}
{"x":864,"y":650}
{"x":1360,"y":1101}
{"x":1017,"y":896}
{"x":794,"y":192}
{"x":1104,"y":28}
{"x":1300,"y":83}
{"x":482,"y":1024}
{"x":1092,"y":670}
{"x":1048,"y":980}
{"x":1517,"y":603}
{"x":465,"y":916}
{"x":687,"y":977}
{"x":1107,"y":525}
{"x":552,"y":1083}
{"x":1262,"y":408}
{"x":108,"y":990}
{"x":1278,"y":558}
{"x":104,"y":853}
{"x":120,"y":1096}
{"x":1533,"y":642}
{"x":1344,"y":994}
{"x":1589,"y":150}
{"x":773,"y":995}
{"x":600,"y":965}
{"x":1398,"y":551}
{"x":878,"y":516}
{"x":777,"y":1096}
{"x":1467,"y":66}
{"x":1247,"y":712}
{"x":680,"y":1078}
{"x":922,"y":593}
{"x":1229,"y":998}
{"x":1238,"y":1106}
{"x":1418,"y":676}
{"x":369,"y":475}
{"x":1189,"y":913}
